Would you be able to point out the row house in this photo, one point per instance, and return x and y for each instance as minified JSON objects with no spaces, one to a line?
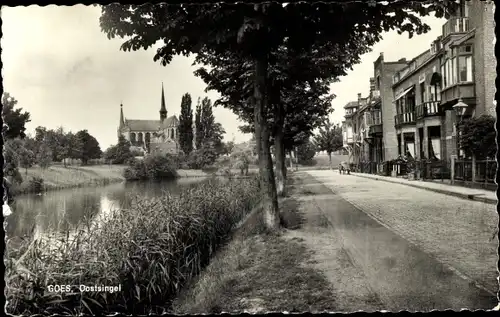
{"x":450,"y":76}
{"x":414,"y":106}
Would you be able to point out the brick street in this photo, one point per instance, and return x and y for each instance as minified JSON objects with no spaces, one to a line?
{"x":418,"y":250}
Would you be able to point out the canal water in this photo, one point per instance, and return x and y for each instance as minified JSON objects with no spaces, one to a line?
{"x":63,"y":210}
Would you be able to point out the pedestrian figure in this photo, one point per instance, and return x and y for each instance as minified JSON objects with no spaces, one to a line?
{"x":341,"y":168}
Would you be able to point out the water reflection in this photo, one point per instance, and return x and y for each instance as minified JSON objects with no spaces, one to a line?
{"x":60,"y":211}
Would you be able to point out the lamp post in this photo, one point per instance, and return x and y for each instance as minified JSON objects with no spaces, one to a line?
{"x":460,"y":109}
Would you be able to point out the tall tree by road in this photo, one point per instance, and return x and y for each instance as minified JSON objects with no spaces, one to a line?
{"x":15,"y":119}
{"x":254,"y":31}
{"x":329,"y":138}
{"x":186,"y":125}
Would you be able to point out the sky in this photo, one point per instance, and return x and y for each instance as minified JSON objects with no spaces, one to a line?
{"x":64,"y":71}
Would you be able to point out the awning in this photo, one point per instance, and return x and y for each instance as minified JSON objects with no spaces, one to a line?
{"x":406,"y":91}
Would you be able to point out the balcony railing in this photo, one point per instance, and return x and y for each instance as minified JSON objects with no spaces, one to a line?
{"x":455,"y":25}
{"x":427,"y":109}
{"x":404,"y":118}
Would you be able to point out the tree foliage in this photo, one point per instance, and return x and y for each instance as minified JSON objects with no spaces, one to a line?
{"x":186,"y":124}
{"x":254,"y":34}
{"x":306,"y":152}
{"x":89,"y":147}
{"x":119,"y":153}
{"x":198,"y":126}
{"x":14,"y":119}
{"x":478,"y":137}
{"x":329,"y":137}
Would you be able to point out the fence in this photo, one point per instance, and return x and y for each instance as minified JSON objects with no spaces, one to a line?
{"x":433,"y":169}
{"x":481,"y":171}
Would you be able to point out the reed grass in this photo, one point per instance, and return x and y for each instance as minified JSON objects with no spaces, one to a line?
{"x":151,"y":250}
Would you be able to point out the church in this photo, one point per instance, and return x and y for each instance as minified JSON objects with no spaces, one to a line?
{"x":151,"y":136}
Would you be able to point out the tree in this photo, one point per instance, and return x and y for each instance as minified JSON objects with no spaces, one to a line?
{"x":73,"y":146}
{"x":186,"y":125}
{"x":329,"y":138}
{"x":110,"y":154}
{"x":306,"y":152}
{"x":478,"y":136}
{"x":228,"y":147}
{"x":89,"y":147}
{"x":298,"y":102}
{"x":207,"y":120}
{"x":11,"y":162}
{"x":253,"y":32}
{"x":56,"y":142}
{"x":199,"y":126}
{"x":14,"y":119}
{"x":27,"y":159}
{"x":44,"y":155}
{"x":122,"y":151}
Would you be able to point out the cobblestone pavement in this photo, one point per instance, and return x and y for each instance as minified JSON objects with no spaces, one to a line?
{"x":460,"y":234}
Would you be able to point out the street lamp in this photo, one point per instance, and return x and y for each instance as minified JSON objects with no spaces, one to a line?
{"x":460,"y":109}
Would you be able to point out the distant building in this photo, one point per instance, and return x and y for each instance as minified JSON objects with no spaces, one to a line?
{"x":151,"y":136}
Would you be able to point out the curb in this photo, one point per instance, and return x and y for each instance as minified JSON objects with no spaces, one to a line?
{"x":475,"y":197}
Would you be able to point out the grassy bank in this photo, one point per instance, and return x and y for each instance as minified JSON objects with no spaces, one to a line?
{"x":259,"y":272}
{"x":60,"y":177}
{"x":151,"y":250}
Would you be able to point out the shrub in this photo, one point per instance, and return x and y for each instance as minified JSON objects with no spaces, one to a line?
{"x":305,"y":153}
{"x":154,"y":167}
{"x":478,"y":136}
{"x":151,"y":250}
{"x":35,"y":185}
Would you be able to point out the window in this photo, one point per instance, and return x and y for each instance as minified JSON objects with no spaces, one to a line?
{"x":443,"y":77}
{"x":453,"y":71}
{"x":448,"y":72}
{"x":378,"y":83}
{"x":465,"y":68}
{"x":423,"y":97}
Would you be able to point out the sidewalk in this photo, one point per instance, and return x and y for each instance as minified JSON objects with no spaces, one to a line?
{"x":485,"y":196}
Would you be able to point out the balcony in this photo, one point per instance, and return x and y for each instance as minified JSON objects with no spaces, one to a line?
{"x":428,"y":109}
{"x":455,"y":25}
{"x":404,"y":118}
{"x":375,"y":130}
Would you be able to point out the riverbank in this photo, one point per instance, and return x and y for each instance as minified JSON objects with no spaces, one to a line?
{"x":151,"y":250}
{"x":260,"y":272}
{"x":59,"y":177}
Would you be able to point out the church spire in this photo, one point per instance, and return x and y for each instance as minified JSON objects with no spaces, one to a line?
{"x":122,"y":120}
{"x":163,"y":109}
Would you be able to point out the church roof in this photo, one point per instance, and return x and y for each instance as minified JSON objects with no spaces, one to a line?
{"x":149,"y":125}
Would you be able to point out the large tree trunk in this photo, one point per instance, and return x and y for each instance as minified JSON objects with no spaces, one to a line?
{"x":330,"y":159}
{"x":279,"y":146}
{"x":262,"y":134}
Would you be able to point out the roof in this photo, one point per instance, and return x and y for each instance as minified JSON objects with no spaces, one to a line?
{"x":351,"y":104}
{"x":149,"y":125}
{"x":463,"y":39}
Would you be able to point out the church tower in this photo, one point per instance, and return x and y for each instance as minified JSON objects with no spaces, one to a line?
{"x":163,"y":109}
{"x":122,"y":121}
